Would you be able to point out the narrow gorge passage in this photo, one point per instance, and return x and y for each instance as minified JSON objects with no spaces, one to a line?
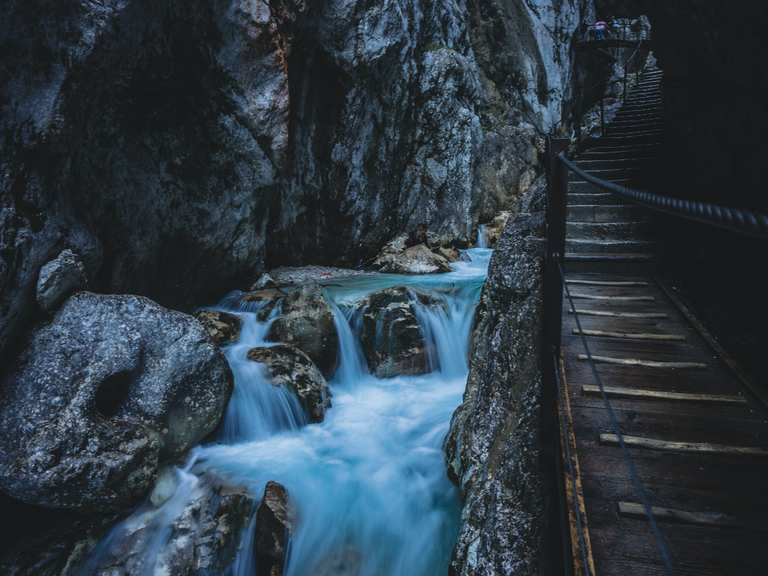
{"x":368,"y":484}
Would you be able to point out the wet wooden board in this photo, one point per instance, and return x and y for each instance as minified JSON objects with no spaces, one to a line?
{"x":698,"y":432}
{"x":694,"y":407}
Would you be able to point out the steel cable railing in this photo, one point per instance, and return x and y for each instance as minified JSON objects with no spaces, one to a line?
{"x":734,"y":219}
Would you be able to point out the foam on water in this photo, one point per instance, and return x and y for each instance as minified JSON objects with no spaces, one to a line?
{"x":368,"y":483}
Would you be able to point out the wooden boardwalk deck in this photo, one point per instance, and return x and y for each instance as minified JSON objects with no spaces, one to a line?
{"x":697,"y":436}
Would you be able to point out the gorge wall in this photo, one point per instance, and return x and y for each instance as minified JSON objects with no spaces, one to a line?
{"x":179,"y":149}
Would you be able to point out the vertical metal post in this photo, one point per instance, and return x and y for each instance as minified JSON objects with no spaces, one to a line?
{"x":602,"y":116}
{"x":557,"y":191}
{"x":557,"y":535}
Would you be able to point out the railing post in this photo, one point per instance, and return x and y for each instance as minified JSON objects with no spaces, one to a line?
{"x":558,"y":531}
{"x":557,"y":190}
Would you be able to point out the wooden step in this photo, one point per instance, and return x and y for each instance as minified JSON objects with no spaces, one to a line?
{"x":680,"y":446}
{"x":642,"y":163}
{"x":641,"y":394}
{"x":609,"y":283}
{"x":715,"y":519}
{"x":584,"y":187}
{"x":610,"y":314}
{"x":575,"y":198}
{"x":608,"y":230}
{"x":577,"y":246}
{"x":611,"y":174}
{"x":609,"y":299}
{"x":649,"y":336}
{"x":639,"y":363}
{"x":604,"y":213}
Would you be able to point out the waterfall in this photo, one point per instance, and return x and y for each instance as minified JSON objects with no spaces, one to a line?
{"x":369,"y":482}
{"x":257,"y":409}
{"x":446,"y":329}
{"x":351,"y":363}
{"x":482,"y":237}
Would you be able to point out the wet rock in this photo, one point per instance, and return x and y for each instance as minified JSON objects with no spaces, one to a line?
{"x":265,"y":281}
{"x":112,"y":386}
{"x":204,"y":523}
{"x":494,"y":446}
{"x":275,"y":520}
{"x":399,"y":258}
{"x":290,"y":367}
{"x":301,"y":275}
{"x":494,"y":229}
{"x":58,"y":279}
{"x":391,"y":337}
{"x":223,"y":328}
{"x":306,"y":321}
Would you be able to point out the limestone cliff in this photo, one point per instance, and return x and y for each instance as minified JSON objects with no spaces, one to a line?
{"x":495,"y":441}
{"x":177,"y":148}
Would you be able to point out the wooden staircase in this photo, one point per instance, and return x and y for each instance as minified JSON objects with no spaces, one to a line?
{"x":601,"y":229}
{"x":694,"y":426}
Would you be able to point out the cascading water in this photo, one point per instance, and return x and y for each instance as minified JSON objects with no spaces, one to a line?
{"x":482,"y":237}
{"x":369,"y":482}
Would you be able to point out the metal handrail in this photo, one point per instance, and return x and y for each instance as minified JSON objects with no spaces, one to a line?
{"x":734,"y":219}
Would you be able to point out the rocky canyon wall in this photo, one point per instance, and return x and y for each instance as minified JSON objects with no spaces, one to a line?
{"x":177,"y":149}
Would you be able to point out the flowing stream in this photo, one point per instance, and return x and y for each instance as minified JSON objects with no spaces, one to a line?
{"x":369,"y":482}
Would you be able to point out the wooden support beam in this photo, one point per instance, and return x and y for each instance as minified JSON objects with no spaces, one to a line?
{"x":674,"y":446}
{"x":645,"y":315}
{"x":636,"y":510}
{"x":631,"y":335}
{"x":613,"y":298}
{"x":643,"y":363}
{"x":618,"y":391}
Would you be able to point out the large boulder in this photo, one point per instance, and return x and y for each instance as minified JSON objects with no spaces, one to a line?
{"x":59,"y":278}
{"x":275,"y":520}
{"x":391,"y":337}
{"x":112,"y":386}
{"x":293,"y":369}
{"x":306,"y":321}
{"x":399,"y":258}
{"x":223,"y":328}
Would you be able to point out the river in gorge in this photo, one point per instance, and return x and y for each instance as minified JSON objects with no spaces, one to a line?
{"x":369,"y":482}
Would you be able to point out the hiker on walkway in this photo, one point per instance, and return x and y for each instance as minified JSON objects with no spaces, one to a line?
{"x":599,"y":28}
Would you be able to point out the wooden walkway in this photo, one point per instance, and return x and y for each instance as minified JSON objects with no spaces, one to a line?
{"x":697,"y":436}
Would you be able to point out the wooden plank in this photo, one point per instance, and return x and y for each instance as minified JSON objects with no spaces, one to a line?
{"x":758,"y":392}
{"x":648,"y":315}
{"x":636,"y":510}
{"x":675,"y":446}
{"x":644,"y":363}
{"x":631,"y":335}
{"x":576,"y":295}
{"x":619,"y":391}
{"x":573,"y":484}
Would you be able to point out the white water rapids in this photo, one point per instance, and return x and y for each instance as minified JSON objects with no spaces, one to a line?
{"x":369,"y":482}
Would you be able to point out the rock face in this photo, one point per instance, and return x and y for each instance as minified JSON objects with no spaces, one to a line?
{"x":58,"y":279}
{"x":306,"y":321}
{"x":274,"y":525}
{"x":112,"y":386}
{"x":223,"y":328}
{"x":390,"y":334}
{"x":177,"y":149}
{"x":493,"y":447}
{"x":291,"y":368}
{"x":147,"y":137}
